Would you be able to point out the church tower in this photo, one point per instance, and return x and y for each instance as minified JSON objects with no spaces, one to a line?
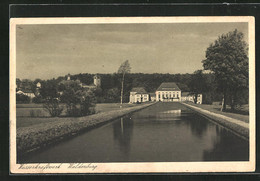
{"x":97,"y":80}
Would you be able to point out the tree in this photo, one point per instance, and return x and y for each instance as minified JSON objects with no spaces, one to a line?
{"x":71,"y":98}
{"x":197,"y":84}
{"x":79,"y":102}
{"x":227,"y":58}
{"x":53,"y":107}
{"x":123,"y":69}
{"x":49,"y":90}
{"x":50,"y":96}
{"x":87,"y":103}
{"x":37,"y":99}
{"x":112,"y":95}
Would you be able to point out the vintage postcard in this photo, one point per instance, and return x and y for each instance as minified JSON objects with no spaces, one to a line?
{"x":132,"y":95}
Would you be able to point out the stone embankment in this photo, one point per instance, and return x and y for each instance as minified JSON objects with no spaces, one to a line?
{"x":36,"y":136}
{"x":235,"y":125}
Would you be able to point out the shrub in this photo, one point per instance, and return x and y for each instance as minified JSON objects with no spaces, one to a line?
{"x":72,"y":110}
{"x":53,"y":107}
{"x":87,"y":106}
{"x":79,"y":102}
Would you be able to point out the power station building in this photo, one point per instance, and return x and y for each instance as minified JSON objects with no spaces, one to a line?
{"x":168,"y":92}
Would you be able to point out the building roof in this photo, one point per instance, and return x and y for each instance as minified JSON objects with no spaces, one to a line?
{"x":185,"y":94}
{"x":168,"y":86}
{"x":139,"y":90}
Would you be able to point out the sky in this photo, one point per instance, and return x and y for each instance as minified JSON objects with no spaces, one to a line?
{"x":49,"y":51}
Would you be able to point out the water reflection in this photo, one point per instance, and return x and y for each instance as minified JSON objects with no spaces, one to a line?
{"x":175,"y":112}
{"x":222,"y":151}
{"x":197,"y":124}
{"x":122,"y":133}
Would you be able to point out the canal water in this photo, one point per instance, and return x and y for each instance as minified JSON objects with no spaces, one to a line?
{"x":164,"y":132}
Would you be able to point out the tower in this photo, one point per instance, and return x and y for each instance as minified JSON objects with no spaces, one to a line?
{"x":68,"y":77}
{"x":38,"y":85}
{"x":97,"y":81}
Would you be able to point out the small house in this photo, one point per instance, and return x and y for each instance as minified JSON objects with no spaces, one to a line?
{"x":138,"y":94}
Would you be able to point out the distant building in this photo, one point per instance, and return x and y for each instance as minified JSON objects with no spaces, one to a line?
{"x":97,"y":81}
{"x":199,"y":99}
{"x":187,"y":96}
{"x":168,"y":92}
{"x":138,"y":94}
{"x":38,"y":85}
{"x":28,"y":93}
{"x":68,"y":77}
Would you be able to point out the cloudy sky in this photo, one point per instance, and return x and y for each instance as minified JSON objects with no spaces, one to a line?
{"x":47,"y":51}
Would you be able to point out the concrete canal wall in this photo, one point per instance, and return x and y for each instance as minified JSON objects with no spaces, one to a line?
{"x":36,"y":136}
{"x":235,"y":125}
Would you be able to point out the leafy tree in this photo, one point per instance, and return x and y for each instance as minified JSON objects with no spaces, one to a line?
{"x":112,"y":95}
{"x":49,"y":90}
{"x":53,"y":107}
{"x":71,"y":99}
{"x":79,"y":102}
{"x":98,"y":93}
{"x":49,"y":94}
{"x":197,"y":84}
{"x":227,"y":58}
{"x":87,"y":103}
{"x":37,"y":99}
{"x":123,"y":69}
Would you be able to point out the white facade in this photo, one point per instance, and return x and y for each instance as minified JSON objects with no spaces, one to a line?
{"x":137,"y":97}
{"x":168,"y":92}
{"x":199,"y":99}
{"x":97,"y":81}
{"x":168,"y":96}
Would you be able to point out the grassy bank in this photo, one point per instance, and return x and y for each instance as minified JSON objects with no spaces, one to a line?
{"x":25,"y":118}
{"x":216,"y":109}
{"x":37,"y":110}
{"x":235,"y":125}
{"x":37,"y":135}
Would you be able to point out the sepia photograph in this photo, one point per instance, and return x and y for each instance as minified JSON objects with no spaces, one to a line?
{"x":132,"y":94}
